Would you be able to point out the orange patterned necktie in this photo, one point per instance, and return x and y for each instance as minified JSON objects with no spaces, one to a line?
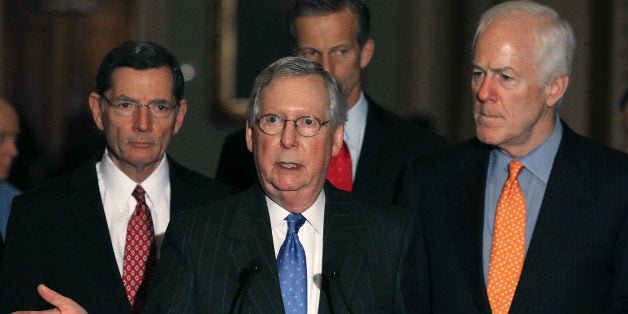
{"x":340,"y":172}
{"x":507,"y":252}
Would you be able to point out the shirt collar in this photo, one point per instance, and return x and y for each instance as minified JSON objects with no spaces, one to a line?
{"x":540,"y":160}
{"x":119,"y":183}
{"x":356,"y":120}
{"x":314,"y":214}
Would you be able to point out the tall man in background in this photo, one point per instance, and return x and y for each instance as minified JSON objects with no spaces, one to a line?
{"x":94,"y":234}
{"x":529,"y":217}
{"x":377,"y":143}
{"x":9,"y":129}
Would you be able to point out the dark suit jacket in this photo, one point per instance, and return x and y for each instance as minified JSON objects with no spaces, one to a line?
{"x":389,"y":143}
{"x":577,"y":261}
{"x":58,"y":235}
{"x":206,"y":251}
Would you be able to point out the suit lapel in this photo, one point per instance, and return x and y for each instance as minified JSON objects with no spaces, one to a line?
{"x":180,"y":197}
{"x":86,"y":205}
{"x":343,"y":247}
{"x":564,"y":203}
{"x":252,"y":233}
{"x":467,"y":209}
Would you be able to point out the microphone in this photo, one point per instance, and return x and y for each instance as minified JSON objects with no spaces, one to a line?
{"x":246,"y":275}
{"x":330,"y":272}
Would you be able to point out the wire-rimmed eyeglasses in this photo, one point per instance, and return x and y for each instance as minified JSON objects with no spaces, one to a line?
{"x":273,"y":124}
{"x":125,"y":108}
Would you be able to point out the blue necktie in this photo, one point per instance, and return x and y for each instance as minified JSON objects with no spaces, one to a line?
{"x":292,"y":268}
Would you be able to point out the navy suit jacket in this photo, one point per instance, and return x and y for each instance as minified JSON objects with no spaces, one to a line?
{"x":389,"y":143}
{"x":577,"y":261}
{"x":206,"y":252}
{"x":58,"y":236}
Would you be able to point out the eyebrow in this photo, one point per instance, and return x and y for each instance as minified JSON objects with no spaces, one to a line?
{"x":130,"y":99}
{"x":499,"y":70}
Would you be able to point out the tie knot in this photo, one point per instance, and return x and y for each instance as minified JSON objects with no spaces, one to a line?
{"x":295,"y":221}
{"x":514,"y":169}
{"x":138,"y":193}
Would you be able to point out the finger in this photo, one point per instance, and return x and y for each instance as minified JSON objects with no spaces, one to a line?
{"x":51,"y":296}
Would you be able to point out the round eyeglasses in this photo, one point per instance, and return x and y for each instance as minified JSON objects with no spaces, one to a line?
{"x":273,"y":124}
{"x":126,"y":108}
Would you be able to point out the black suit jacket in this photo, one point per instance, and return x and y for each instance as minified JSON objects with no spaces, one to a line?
{"x":58,"y":235}
{"x":577,"y":261}
{"x":205,"y":253}
{"x":389,"y":143}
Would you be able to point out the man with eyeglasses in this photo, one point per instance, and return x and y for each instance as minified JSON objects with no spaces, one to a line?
{"x":292,"y":242}
{"x":94,"y":235}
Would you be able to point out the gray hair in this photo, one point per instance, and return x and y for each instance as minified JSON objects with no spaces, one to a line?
{"x":297,"y":67}
{"x":557,"y":39}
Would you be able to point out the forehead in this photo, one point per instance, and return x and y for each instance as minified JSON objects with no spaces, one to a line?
{"x":295,"y":96}
{"x":8,"y":117}
{"x":335,"y":26}
{"x":509,"y":41}
{"x":129,"y":81}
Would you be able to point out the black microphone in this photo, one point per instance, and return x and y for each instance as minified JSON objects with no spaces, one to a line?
{"x":255,"y":266}
{"x":330,"y":272}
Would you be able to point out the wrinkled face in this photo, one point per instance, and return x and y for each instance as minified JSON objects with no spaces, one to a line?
{"x":512,"y":110}
{"x":9,"y":129}
{"x":331,"y":40}
{"x":289,"y":163}
{"x":137,"y":143}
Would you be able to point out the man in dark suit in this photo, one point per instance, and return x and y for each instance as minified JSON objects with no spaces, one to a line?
{"x":227,"y":258}
{"x":74,"y":233}
{"x":564,"y":205}
{"x":335,"y":33}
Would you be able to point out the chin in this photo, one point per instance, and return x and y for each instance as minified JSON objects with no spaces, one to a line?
{"x":487,"y":137}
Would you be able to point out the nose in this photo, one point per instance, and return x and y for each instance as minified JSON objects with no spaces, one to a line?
{"x":8,"y":147}
{"x":485,"y":92}
{"x":142,"y":120}
{"x":327,"y":63}
{"x":289,"y":134}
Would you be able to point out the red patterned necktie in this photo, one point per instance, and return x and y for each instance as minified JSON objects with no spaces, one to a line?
{"x":138,"y":251}
{"x":339,"y":172}
{"x":507,"y":252}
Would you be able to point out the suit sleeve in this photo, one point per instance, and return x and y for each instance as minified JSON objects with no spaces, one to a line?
{"x":620,"y":285}
{"x":22,"y":263}
{"x":413,"y":277}
{"x":173,"y":285}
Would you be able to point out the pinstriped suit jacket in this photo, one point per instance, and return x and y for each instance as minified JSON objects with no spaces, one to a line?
{"x":205,"y":252}
{"x":577,"y":261}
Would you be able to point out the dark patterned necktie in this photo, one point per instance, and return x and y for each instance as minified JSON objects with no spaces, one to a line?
{"x":139,"y":256}
{"x":292,"y":268}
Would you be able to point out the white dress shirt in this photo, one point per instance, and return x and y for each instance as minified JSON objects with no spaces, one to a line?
{"x":310,"y":236}
{"x":115,"y":192}
{"x":354,"y":130}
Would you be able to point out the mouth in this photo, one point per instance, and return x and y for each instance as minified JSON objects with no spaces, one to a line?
{"x":141,"y":144}
{"x":288,"y":165}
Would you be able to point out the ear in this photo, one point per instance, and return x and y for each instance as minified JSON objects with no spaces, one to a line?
{"x":367,"y":53}
{"x":556,"y":89}
{"x":94,"y":106}
{"x":249,"y":136}
{"x":338,"y":139}
{"x":183,"y":108}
